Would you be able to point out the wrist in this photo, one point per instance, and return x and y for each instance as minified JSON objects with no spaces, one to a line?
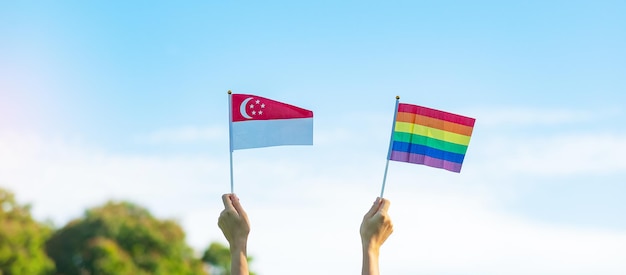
{"x":370,"y":243}
{"x":371,"y":250}
{"x":239,"y":246}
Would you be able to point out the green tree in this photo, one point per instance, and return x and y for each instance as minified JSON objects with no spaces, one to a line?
{"x":122,"y":238}
{"x":109,"y":258}
{"x":22,"y":239}
{"x":217,"y":256}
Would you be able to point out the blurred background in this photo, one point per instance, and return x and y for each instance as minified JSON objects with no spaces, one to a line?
{"x":113,"y":119}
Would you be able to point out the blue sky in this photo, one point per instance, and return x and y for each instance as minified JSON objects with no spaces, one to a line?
{"x":128,"y":101}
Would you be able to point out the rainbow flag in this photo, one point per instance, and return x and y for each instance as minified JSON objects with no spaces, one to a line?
{"x":431,"y":137}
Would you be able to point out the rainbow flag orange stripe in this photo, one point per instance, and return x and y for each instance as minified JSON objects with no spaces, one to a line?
{"x":431,"y":137}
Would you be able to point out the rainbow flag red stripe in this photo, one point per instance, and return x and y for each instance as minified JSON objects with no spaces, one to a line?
{"x":431,"y":137}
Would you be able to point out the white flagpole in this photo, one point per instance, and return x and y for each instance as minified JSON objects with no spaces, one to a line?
{"x":230,"y":135}
{"x":393,"y":126}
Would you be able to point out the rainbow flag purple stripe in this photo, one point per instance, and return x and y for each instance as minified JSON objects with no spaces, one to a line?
{"x":430,"y":137}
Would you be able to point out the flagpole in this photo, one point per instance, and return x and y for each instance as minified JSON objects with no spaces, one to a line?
{"x":230,"y":135}
{"x":393,"y":126}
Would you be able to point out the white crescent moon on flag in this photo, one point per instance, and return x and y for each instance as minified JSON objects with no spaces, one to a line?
{"x":242,"y":108}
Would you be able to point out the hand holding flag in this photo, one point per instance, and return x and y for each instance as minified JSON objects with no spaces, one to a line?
{"x":427,"y":136}
{"x":256,"y":122}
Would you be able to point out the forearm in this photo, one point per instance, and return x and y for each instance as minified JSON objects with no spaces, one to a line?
{"x":370,"y":261}
{"x":239,"y":260}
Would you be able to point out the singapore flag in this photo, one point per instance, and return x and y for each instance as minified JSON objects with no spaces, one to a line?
{"x":260,"y":122}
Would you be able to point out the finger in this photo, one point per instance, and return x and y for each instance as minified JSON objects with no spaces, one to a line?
{"x":228,"y":202}
{"x":374,"y":208}
{"x":384,"y":206}
{"x":237,"y":205}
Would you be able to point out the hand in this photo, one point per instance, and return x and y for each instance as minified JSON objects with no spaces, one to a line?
{"x":376,"y":226}
{"x":233,"y":222}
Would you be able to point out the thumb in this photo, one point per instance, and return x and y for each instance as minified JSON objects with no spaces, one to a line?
{"x":384,"y":206}
{"x":374,"y":208}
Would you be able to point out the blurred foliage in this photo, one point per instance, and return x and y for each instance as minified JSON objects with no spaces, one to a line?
{"x":122,"y":238}
{"x":117,"y":238}
{"x":22,"y":239}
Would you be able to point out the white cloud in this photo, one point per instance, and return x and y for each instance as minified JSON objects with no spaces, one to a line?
{"x":460,"y":235}
{"x":306,"y":209}
{"x":560,"y":154}
{"x":62,"y":179}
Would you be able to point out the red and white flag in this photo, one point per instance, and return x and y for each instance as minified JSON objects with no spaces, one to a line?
{"x":260,"y":122}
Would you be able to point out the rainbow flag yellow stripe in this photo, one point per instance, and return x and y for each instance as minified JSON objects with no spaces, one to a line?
{"x":431,"y":132}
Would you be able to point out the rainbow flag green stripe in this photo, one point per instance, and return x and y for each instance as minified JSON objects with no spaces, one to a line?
{"x":430,"y":142}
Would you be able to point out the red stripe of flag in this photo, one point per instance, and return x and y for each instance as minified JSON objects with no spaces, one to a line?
{"x":253,"y":107}
{"x":414,"y":109}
